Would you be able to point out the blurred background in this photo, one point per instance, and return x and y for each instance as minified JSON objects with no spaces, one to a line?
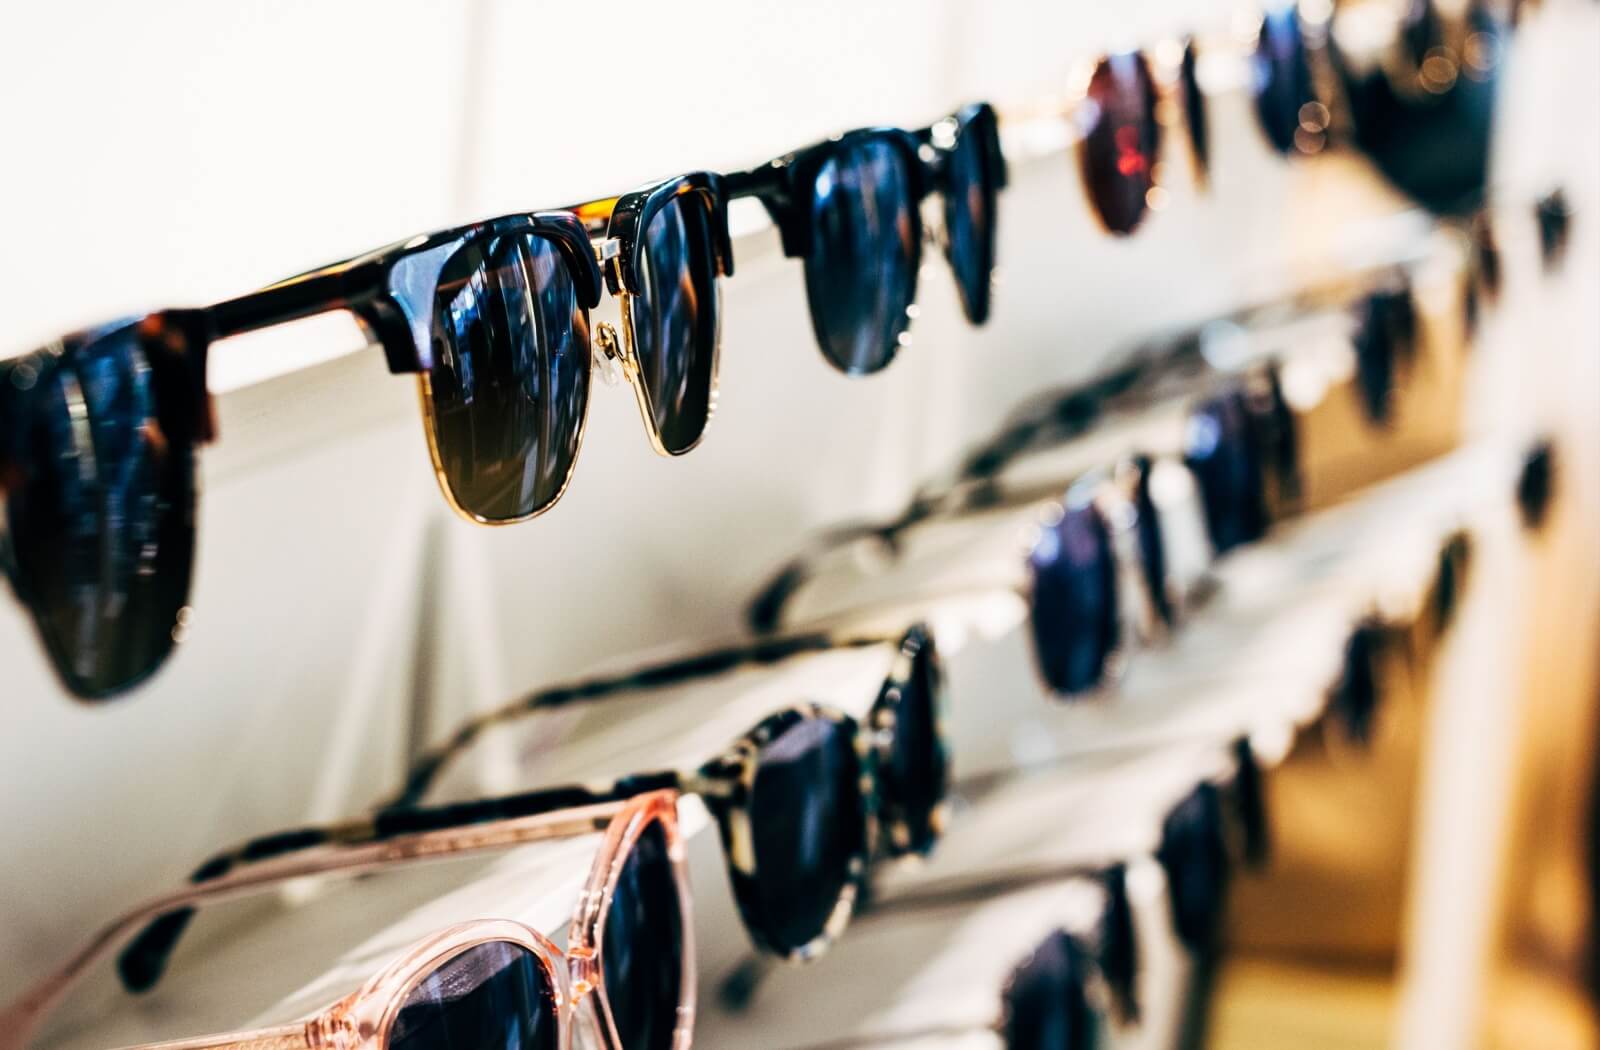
{"x":182,"y":154}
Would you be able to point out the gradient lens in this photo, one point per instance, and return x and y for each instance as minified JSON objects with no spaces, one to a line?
{"x":496,"y":995}
{"x":969,"y":212}
{"x":866,"y":242}
{"x":1045,"y":1005}
{"x":807,"y":818}
{"x":1282,"y":82}
{"x":914,"y":780}
{"x":1220,"y":451}
{"x":1123,"y":141}
{"x":1074,"y":608}
{"x":675,"y":318}
{"x":642,"y":948}
{"x":97,"y":471}
{"x":510,"y":380}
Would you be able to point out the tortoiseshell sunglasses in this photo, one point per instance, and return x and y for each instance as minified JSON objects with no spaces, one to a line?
{"x":804,"y":801}
{"x":627,"y":976}
{"x":98,"y":431}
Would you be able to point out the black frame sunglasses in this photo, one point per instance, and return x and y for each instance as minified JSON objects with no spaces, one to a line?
{"x":875,"y":787}
{"x":850,"y":209}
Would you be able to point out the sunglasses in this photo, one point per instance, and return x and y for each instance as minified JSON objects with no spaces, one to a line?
{"x":626,"y":976}
{"x":803,"y":801}
{"x":849,"y":208}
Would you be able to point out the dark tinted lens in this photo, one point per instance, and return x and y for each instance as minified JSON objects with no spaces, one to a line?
{"x":1194,"y":110}
{"x":969,"y":213}
{"x":674,"y":317}
{"x":1074,"y":612}
{"x":1194,"y":855}
{"x":806,"y":814}
{"x":642,"y":951}
{"x":1282,"y":75}
{"x":1120,"y":150}
{"x":97,"y":470}
{"x":1152,"y":545}
{"x":1227,"y":466}
{"x":495,"y":995}
{"x":866,"y":242}
{"x":1385,"y":336}
{"x":916,"y":776}
{"x":510,"y":380}
{"x":1045,"y":1006}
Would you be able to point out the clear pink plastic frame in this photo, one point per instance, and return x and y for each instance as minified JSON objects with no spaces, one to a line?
{"x":364,"y":1019}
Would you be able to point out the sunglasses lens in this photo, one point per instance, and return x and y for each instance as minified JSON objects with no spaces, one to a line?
{"x":510,"y":379}
{"x":1075,"y":621}
{"x":675,"y":317}
{"x":1194,"y":110}
{"x":496,"y":994}
{"x":806,"y":817}
{"x":99,"y":505}
{"x":1152,"y":547}
{"x":642,"y":951}
{"x":1045,"y":1004}
{"x":1286,"y":102}
{"x":1195,"y":859}
{"x":1226,"y":463}
{"x":915,"y":778}
{"x":866,"y":241}
{"x":1120,"y":150}
{"x":969,"y":214}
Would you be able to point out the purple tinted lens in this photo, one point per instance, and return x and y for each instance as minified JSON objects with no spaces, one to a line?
{"x":642,"y":948}
{"x":807,"y":818}
{"x":866,"y":242}
{"x":675,"y":317}
{"x":495,"y":995}
{"x":510,"y":379}
{"x":1221,"y":451}
{"x":1119,"y":153}
{"x":969,"y":213}
{"x":1074,"y":608}
{"x":97,"y":471}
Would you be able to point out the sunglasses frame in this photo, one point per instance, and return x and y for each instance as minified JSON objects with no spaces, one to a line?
{"x":363,"y":1020}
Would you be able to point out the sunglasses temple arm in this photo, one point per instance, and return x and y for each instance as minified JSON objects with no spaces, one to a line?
{"x":428,"y":766}
{"x":390,"y":840}
{"x":303,"y":296}
{"x":300,"y":1036}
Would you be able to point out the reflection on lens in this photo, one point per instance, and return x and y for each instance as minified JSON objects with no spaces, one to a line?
{"x":674,"y":316}
{"x":866,"y":242}
{"x":492,"y":995}
{"x":806,"y":815}
{"x":1074,"y":606}
{"x":642,"y":947}
{"x":1045,"y":1005}
{"x":509,"y":385}
{"x":969,"y":213}
{"x":99,"y":505}
{"x":1123,"y":142}
{"x":916,"y":776}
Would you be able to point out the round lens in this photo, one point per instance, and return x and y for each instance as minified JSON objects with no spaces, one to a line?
{"x":674,"y":315}
{"x":99,"y":506}
{"x":807,"y":820}
{"x":1045,"y":1005}
{"x":642,"y":947}
{"x":1120,"y":149}
{"x":1286,"y":103}
{"x":969,"y":213}
{"x":866,"y":242}
{"x":1226,"y":464}
{"x":1195,"y":859}
{"x":492,"y":995}
{"x":914,"y":780}
{"x":509,"y":384}
{"x":1074,"y":607}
